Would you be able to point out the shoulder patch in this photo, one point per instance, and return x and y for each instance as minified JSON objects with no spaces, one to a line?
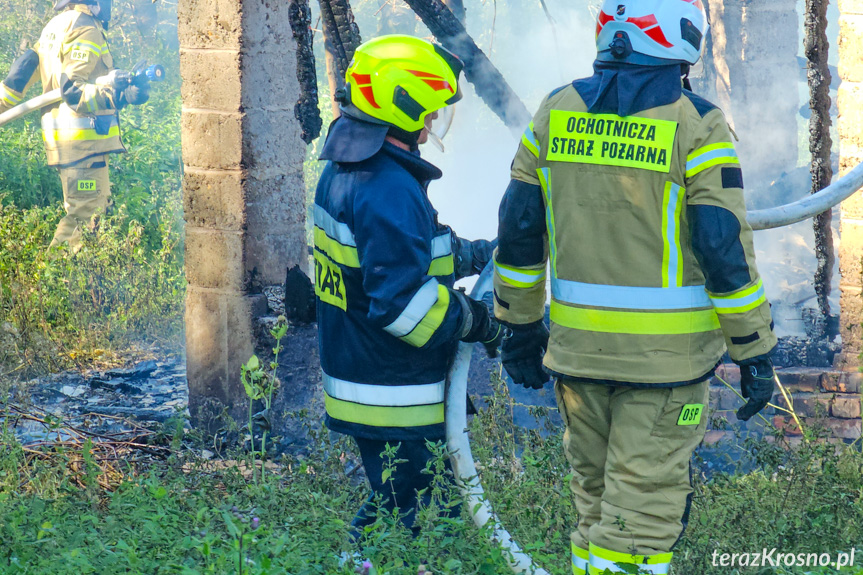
{"x":702,"y":106}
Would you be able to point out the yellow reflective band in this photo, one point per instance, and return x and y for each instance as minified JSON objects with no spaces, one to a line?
{"x":329,"y":281}
{"x":634,"y":322}
{"x":672,"y":253}
{"x":519,"y":277}
{"x":740,"y":302}
{"x":380,"y":416}
{"x":529,"y":140}
{"x":709,"y":156}
{"x":9,"y":97}
{"x":580,"y":558}
{"x":339,"y":253}
{"x":602,"y":559}
{"x":425,"y":329}
{"x":610,"y":140}
{"x":78,"y":135}
{"x":545,"y":183}
{"x":443,"y":266}
{"x":85,"y":45}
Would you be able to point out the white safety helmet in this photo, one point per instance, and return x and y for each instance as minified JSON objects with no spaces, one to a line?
{"x":651,"y":32}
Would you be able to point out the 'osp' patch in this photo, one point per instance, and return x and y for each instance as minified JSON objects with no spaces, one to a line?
{"x":80,"y":55}
{"x":86,"y":185}
{"x":690,"y":414}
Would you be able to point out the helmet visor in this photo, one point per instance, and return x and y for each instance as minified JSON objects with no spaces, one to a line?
{"x":439,"y":127}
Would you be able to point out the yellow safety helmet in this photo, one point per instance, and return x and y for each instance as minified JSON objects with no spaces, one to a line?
{"x":399,"y":80}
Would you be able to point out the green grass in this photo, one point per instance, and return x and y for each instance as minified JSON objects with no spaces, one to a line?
{"x":177,"y":515}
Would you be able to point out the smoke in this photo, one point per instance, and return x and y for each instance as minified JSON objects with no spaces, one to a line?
{"x":479,"y":148}
{"x":535,"y":57}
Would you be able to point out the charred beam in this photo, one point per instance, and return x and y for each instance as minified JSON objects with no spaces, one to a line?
{"x":306,"y":110}
{"x":489,"y":82}
{"x":342,"y":32}
{"x":816,"y":48}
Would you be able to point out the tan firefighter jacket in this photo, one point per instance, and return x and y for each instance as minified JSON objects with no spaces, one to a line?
{"x":73,"y":45}
{"x":639,"y":223}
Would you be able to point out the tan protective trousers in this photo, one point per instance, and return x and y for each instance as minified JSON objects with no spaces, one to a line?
{"x":630,"y":450}
{"x":86,"y":191}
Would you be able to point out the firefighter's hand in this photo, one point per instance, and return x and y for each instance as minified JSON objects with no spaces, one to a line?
{"x":478,"y":325}
{"x":521,"y":354}
{"x":756,"y":384}
{"x":135,"y":94}
{"x":471,"y":256}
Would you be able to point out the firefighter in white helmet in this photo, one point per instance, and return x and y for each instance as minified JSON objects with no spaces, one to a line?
{"x":627,"y":188}
{"x":73,"y":55}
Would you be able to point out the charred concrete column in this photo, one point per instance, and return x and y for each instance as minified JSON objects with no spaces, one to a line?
{"x":850,"y":154}
{"x":244,"y":196}
{"x":754,"y":47}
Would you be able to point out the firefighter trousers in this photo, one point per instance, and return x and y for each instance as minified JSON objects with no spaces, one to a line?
{"x":86,"y":190}
{"x":630,"y":450}
{"x":401,"y":487}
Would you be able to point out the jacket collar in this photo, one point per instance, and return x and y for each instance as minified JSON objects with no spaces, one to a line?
{"x":352,"y":141}
{"x":626,"y":89}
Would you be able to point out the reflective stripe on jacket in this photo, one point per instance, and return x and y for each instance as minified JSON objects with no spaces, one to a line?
{"x":384,"y":268}
{"x":640,"y":224}
{"x":73,"y":45}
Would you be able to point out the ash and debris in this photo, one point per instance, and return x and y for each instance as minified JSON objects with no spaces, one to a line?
{"x":150,"y":392}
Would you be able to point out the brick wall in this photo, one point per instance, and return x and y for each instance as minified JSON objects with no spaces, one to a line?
{"x":830,"y":399}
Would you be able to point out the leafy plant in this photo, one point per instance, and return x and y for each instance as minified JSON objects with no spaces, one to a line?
{"x":261,"y":385}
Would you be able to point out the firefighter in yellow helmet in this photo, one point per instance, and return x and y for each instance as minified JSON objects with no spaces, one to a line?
{"x":389,"y":320}
{"x":627,"y":194}
{"x":73,"y":55}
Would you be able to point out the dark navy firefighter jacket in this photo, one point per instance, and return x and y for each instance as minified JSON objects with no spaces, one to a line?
{"x":384,"y":266}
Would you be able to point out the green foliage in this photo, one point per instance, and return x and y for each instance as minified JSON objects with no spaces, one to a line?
{"x":190,"y":516}
{"x":127,"y":282}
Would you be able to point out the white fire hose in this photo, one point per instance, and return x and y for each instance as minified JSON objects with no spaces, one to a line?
{"x":458,"y":443}
{"x":37,"y":103}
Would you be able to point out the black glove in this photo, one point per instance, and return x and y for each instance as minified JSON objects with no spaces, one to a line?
{"x":136,"y":94}
{"x":471,"y":257}
{"x":521,"y":354}
{"x":756,"y":384}
{"x":478,"y":325}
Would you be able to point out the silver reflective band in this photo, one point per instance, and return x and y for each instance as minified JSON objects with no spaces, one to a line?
{"x":579,"y":563}
{"x":603,"y":564}
{"x":627,"y":297}
{"x":521,"y":276}
{"x":675,"y":196}
{"x":441,"y":245}
{"x":415,"y":311}
{"x":732,"y":302}
{"x":50,"y":123}
{"x":384,"y":395}
{"x":711,"y":155}
{"x":337,"y":230}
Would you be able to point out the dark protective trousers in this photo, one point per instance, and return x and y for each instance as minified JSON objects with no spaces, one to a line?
{"x":400,"y":489}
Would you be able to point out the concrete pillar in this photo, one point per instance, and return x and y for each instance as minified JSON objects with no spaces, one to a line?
{"x":754,"y":50}
{"x":244,"y":195}
{"x":850,"y":154}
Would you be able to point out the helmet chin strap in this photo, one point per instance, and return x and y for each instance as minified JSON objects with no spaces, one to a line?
{"x":684,"y":72}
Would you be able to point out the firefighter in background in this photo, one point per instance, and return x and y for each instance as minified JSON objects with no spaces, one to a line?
{"x":73,"y":55}
{"x":389,"y":319}
{"x":627,"y":187}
